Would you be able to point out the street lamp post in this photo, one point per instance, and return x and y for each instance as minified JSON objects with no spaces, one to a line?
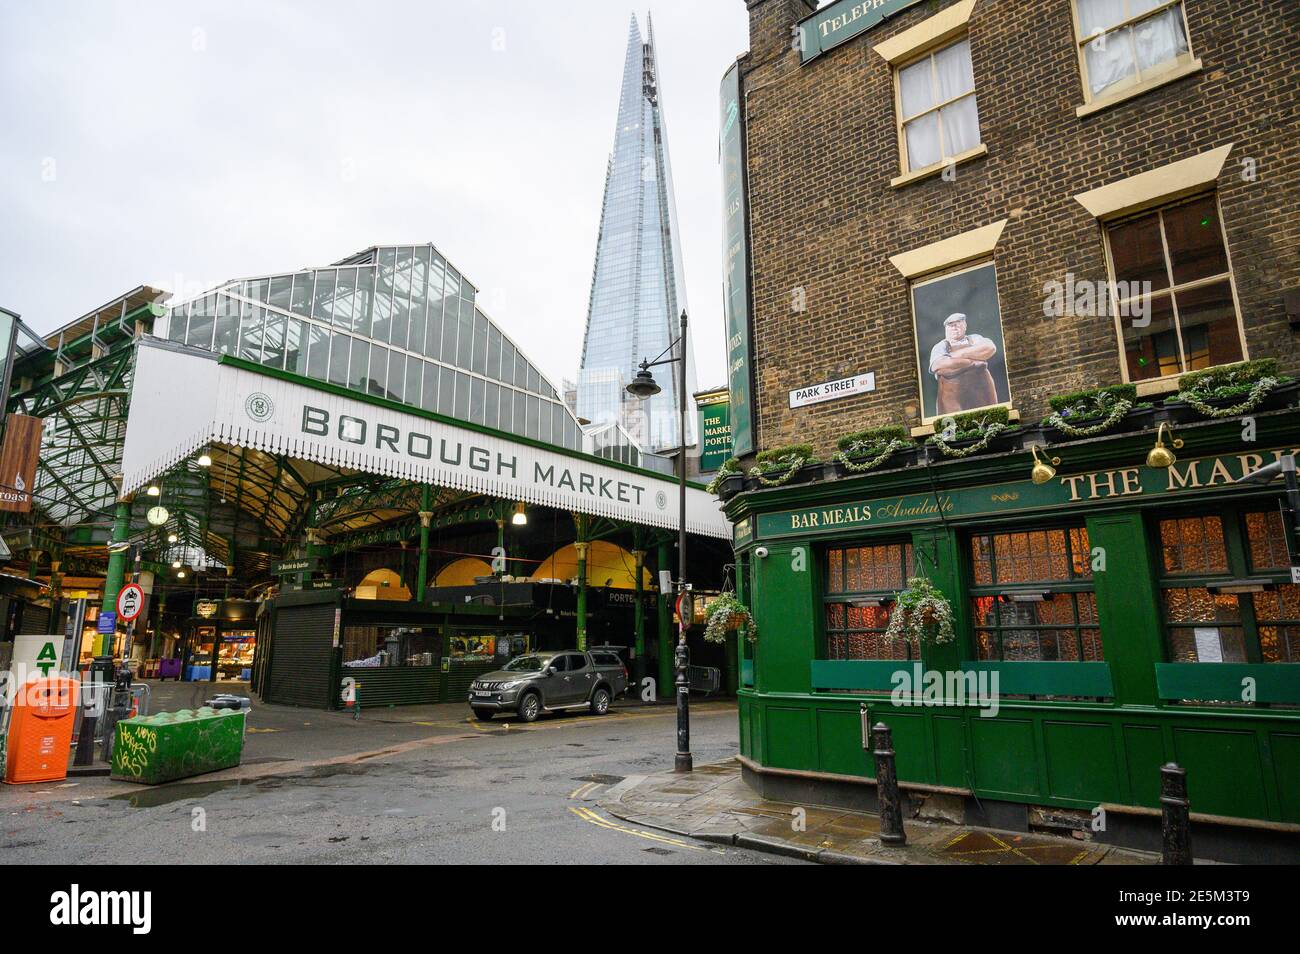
{"x":644,"y":386}
{"x":1285,"y":468}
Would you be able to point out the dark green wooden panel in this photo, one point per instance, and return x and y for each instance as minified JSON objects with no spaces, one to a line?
{"x":1005,"y":759}
{"x":747,"y":672}
{"x":839,"y":742}
{"x":912,"y":742}
{"x":1048,"y":678}
{"x":1081,"y":761}
{"x":950,"y":750}
{"x":1144,"y":749}
{"x":1223,"y":771}
{"x":791,"y":743}
{"x":1222,"y":682}
{"x":856,"y":674}
{"x":1285,"y":748}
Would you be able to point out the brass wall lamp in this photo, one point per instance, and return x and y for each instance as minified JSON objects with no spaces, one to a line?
{"x":1043,"y":471}
{"x":1161,"y":456}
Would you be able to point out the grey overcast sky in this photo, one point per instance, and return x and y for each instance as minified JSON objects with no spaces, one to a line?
{"x":182,"y":144}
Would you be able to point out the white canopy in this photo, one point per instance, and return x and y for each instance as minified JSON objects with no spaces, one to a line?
{"x":183,"y":400}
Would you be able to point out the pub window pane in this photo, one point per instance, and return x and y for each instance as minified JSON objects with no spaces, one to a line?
{"x":1277,"y":614}
{"x":1178,"y":249}
{"x":1266,"y":541}
{"x":1032,"y":598}
{"x":1219,"y":638}
{"x":861,"y":582}
{"x":1193,"y":545}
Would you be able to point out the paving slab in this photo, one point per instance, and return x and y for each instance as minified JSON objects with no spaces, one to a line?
{"x":714,"y":804}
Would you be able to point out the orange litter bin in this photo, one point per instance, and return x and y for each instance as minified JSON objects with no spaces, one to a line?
{"x":40,"y":730}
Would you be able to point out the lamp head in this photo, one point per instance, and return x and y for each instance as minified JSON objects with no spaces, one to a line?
{"x":644,"y":385}
{"x":520,"y":517}
{"x":1043,"y":471}
{"x":1160,"y":456}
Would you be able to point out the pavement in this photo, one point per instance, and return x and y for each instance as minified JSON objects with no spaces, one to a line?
{"x":713,"y":804}
{"x":420,"y":784}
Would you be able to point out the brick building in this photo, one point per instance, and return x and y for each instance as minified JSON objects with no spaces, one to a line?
{"x":833,"y":199}
{"x":1053,"y":250}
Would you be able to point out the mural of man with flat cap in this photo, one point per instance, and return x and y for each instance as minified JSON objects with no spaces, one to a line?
{"x":960,"y":365}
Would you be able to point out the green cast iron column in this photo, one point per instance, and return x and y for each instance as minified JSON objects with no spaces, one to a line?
{"x":638,"y":612}
{"x":116,"y":574}
{"x":422,"y":572}
{"x":666,"y":642}
{"x":582,"y":594}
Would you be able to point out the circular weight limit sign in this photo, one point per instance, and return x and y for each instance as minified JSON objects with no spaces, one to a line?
{"x":130,"y":600}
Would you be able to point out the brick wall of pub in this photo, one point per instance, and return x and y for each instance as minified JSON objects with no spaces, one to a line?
{"x":822,"y":149}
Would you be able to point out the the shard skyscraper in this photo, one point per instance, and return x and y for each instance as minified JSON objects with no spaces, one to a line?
{"x":637,"y":288}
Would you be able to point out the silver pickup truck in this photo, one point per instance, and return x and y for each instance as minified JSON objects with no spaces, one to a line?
{"x":550,"y":682}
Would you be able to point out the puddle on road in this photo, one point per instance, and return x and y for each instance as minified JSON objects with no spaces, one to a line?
{"x":166,"y":794}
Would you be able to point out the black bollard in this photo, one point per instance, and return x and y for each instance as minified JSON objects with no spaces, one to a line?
{"x":891,"y":809}
{"x":1175,"y":816}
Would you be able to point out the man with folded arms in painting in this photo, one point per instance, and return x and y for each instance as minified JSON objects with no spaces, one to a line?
{"x":960,"y":363}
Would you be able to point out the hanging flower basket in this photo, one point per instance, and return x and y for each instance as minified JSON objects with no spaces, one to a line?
{"x":727,"y":614}
{"x":922,"y":614}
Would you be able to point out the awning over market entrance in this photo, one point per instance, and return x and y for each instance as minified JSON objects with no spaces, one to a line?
{"x":184,"y":401}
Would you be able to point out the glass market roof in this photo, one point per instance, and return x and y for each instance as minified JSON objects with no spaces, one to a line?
{"x":394,"y":321}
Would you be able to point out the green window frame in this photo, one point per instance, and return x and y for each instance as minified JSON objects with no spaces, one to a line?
{"x":861,"y":580}
{"x":1031,"y":595}
{"x":1242,"y":548}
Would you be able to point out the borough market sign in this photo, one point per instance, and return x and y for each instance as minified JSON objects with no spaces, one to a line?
{"x":1096,"y":487}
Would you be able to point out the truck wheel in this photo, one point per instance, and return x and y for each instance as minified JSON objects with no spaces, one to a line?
{"x":484,"y":715}
{"x":530,"y":707}
{"x":600,"y":701}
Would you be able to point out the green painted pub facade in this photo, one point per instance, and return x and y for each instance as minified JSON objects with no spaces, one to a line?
{"x":1126,"y":557}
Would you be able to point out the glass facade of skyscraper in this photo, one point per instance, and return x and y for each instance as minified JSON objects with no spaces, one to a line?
{"x":637,"y":290}
{"x":398,"y":322}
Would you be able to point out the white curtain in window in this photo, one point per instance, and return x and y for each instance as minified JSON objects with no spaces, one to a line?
{"x":1097,"y":15}
{"x":916,"y":89}
{"x":923,"y":141}
{"x":1160,"y":40}
{"x":1110,"y":61}
{"x":953,"y":71}
{"x":961,"y":126}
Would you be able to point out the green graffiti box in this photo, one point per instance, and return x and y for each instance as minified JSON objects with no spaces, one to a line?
{"x":172,"y":745}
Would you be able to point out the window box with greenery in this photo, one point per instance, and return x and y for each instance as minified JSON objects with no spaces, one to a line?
{"x":874,"y":449}
{"x":975,"y":432}
{"x":1232,"y":390}
{"x":728,"y":481}
{"x":791,"y":464}
{"x":1111,"y":410}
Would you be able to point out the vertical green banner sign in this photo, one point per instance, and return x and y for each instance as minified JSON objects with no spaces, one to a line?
{"x":715,"y":435}
{"x":735,"y":261}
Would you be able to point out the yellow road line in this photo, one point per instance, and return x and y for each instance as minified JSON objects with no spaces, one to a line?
{"x":587,"y":815}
